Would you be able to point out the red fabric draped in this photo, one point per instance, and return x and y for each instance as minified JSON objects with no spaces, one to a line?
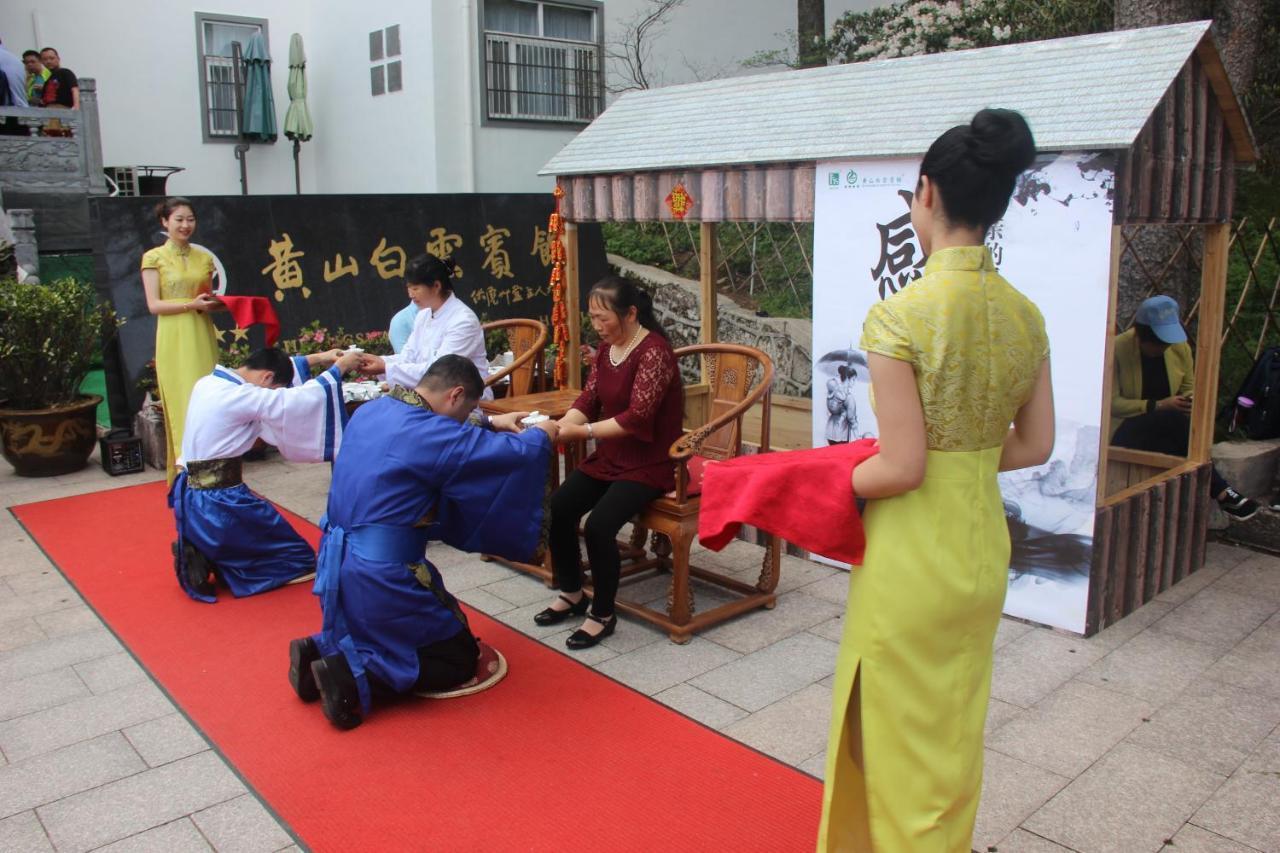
{"x":804,"y":496}
{"x":253,"y":310}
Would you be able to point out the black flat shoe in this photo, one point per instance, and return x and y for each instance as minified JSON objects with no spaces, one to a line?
{"x":196,"y":570}
{"x":580,"y":639}
{"x":339,"y":696}
{"x":555,"y":617}
{"x":302,"y":653}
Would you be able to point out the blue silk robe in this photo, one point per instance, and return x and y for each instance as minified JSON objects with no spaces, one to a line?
{"x":402,"y":464}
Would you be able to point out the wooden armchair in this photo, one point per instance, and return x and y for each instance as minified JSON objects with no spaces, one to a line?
{"x":731,"y":371}
{"x":527,"y":339}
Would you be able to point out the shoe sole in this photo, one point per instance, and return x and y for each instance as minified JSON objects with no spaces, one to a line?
{"x":336,"y":708}
{"x":471,"y":687}
{"x":303,"y":653}
{"x":596,"y":640}
{"x":1231,"y":515}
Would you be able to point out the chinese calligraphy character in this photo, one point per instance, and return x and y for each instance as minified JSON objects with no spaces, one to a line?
{"x":442,"y":245}
{"x":541,"y":246}
{"x":382,"y":260}
{"x":496,"y":259}
{"x":285,"y":270}
{"x":898,"y":265}
{"x":339,"y":269}
{"x":994,"y":243}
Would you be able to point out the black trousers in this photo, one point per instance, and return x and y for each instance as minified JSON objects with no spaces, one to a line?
{"x":441,"y":665}
{"x":1163,"y":432}
{"x":612,"y":503}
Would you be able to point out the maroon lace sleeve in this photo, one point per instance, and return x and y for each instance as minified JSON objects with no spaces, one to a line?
{"x":653,"y":376}
{"x":588,"y":401}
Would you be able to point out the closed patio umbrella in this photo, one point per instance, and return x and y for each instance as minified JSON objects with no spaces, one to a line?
{"x":258,"y":109}
{"x":297,"y":121}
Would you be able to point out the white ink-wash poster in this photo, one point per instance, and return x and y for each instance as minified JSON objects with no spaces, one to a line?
{"x":1054,"y":245}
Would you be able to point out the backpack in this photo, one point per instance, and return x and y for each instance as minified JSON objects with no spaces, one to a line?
{"x":1262,"y":388}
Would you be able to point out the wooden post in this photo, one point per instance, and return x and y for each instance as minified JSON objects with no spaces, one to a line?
{"x":708,"y":263}
{"x":573,"y":305}
{"x":1213,"y":286}
{"x":1113,"y":286}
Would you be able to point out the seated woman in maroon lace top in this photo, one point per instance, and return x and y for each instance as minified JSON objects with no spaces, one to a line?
{"x":633,"y":407}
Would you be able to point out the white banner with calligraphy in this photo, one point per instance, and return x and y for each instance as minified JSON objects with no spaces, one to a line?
{"x":1054,"y":245}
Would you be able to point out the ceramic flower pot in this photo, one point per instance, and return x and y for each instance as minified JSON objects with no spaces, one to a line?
{"x":52,"y":441}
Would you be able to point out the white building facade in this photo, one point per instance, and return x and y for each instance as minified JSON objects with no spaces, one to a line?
{"x":407,"y":96}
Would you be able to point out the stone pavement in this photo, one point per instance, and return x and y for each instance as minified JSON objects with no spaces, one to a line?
{"x":1163,"y":730}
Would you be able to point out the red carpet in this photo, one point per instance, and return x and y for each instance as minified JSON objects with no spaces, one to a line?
{"x":557,"y":757}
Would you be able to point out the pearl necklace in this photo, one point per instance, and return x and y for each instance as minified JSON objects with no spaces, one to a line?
{"x":626,"y":351}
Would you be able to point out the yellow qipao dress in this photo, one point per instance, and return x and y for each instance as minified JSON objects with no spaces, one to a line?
{"x":904,"y":769}
{"x":186,"y":349}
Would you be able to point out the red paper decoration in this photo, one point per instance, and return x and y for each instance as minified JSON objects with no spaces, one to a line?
{"x":559,"y":312}
{"x":679,"y":201}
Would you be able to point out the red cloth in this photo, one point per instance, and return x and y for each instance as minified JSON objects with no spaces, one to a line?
{"x":646,"y":396}
{"x":253,"y":310}
{"x":804,"y":496}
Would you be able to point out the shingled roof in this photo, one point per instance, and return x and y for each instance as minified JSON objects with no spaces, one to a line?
{"x":1092,"y":92}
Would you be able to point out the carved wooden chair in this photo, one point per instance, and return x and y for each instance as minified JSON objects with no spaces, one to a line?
{"x":732,"y":372}
{"x":527,"y":340}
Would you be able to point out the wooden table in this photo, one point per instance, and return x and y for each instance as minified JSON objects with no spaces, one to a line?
{"x":553,"y":404}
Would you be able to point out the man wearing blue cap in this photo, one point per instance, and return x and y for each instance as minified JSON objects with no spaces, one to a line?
{"x":1151,"y":389}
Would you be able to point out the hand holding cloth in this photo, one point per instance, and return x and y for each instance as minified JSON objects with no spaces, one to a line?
{"x":803,"y":496}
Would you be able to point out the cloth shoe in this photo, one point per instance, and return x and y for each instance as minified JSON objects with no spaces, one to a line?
{"x":196,"y":569}
{"x":339,"y":696}
{"x":1238,"y":506}
{"x":302,"y":653}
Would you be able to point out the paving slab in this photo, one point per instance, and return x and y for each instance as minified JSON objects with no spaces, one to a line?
{"x":762,"y":678}
{"x":111,"y":672}
{"x":1130,"y":800}
{"x":20,"y":632}
{"x":1211,"y":725}
{"x":241,"y":825}
{"x":120,"y":809}
{"x":56,"y":653}
{"x":45,"y":778}
{"x":1012,"y":791}
{"x":658,"y":666}
{"x":1070,"y":728}
{"x":179,"y":836}
{"x":792,"y":729}
{"x":1153,"y":666}
{"x":701,"y":706}
{"x":23,"y":833}
{"x":1257,"y":577}
{"x":73,"y":620}
{"x":1246,"y":809}
{"x":1037,"y":663}
{"x":1217,"y":617}
{"x":795,"y":612}
{"x":1021,"y":841}
{"x":165,"y":739}
{"x":81,"y":719}
{"x":1193,"y":839}
{"x":38,"y":692}
{"x":1252,"y":664}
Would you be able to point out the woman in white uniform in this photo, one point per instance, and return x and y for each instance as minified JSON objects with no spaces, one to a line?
{"x":444,"y":326}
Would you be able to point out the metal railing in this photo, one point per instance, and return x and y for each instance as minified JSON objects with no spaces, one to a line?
{"x":538,"y":79}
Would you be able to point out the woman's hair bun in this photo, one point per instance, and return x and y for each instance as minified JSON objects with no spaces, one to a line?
{"x":1001,"y":140}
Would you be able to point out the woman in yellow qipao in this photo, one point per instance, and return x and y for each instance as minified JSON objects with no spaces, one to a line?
{"x":955,"y":359}
{"x":178,"y":281}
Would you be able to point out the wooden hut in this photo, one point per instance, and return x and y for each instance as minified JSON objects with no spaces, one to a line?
{"x":1155,"y":102}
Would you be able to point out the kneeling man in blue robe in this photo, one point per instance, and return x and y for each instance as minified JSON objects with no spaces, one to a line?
{"x":225,"y":529}
{"x":416,"y":465}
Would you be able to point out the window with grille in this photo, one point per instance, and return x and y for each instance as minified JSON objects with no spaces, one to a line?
{"x":220,"y":39}
{"x":542,"y":61}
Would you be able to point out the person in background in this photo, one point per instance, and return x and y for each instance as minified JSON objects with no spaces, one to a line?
{"x":1151,"y":389}
{"x":955,"y":360}
{"x":37,"y":74}
{"x":177,"y":279}
{"x":62,"y":89}
{"x":444,"y":326}
{"x":401,"y":326}
{"x":633,"y":408}
{"x":14,"y":92}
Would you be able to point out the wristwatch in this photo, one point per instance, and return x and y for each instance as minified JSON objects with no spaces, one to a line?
{"x":590,"y":433}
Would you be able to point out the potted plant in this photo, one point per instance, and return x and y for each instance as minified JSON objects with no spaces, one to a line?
{"x":49,"y":337}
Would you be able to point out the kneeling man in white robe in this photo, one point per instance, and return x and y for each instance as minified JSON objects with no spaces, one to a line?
{"x":224,"y":529}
